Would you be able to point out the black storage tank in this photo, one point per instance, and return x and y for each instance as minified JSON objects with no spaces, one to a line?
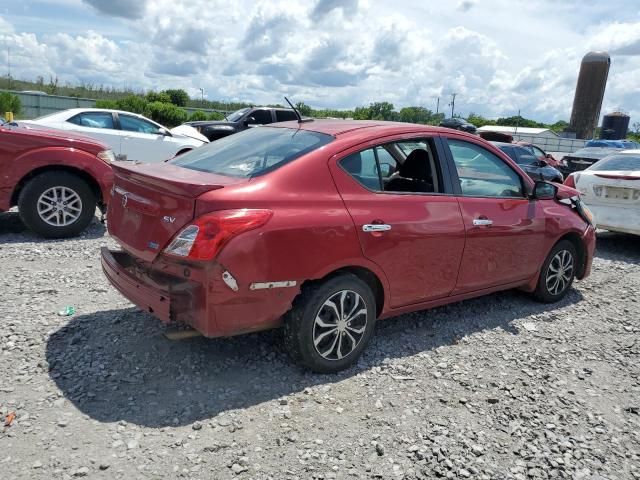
{"x":587,"y":102}
{"x":614,"y":126}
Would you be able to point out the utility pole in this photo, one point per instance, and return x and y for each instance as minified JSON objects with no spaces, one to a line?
{"x":453,"y":103}
{"x":437,"y":105}
{"x":202,"y":95}
{"x":9,"y":65}
{"x":517,"y":123}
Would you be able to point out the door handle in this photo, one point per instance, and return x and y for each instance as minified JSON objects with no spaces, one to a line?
{"x":479,"y":222}
{"x":376,"y":227}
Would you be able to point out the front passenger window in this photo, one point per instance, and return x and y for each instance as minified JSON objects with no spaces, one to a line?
{"x":483,"y":174}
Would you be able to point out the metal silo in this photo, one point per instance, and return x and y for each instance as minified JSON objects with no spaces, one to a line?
{"x":592,"y":81}
{"x":614,"y":126}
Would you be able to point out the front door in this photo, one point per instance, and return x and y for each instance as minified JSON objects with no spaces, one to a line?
{"x":505,"y":231}
{"x":408,"y":223}
{"x":142,"y":140}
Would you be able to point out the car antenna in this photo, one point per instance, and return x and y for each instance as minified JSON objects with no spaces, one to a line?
{"x":300,"y":119}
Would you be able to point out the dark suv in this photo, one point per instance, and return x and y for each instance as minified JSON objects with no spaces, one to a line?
{"x":241,"y":120}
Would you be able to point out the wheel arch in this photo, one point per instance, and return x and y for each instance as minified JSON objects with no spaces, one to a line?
{"x":88,"y":178}
{"x":576,"y":240}
{"x":364,"y":274}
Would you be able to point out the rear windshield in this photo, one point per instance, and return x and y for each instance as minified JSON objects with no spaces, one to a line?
{"x":252,"y":152}
{"x":618,"y":162}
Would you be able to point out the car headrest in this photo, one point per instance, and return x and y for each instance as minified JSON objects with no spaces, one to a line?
{"x":416,"y":165}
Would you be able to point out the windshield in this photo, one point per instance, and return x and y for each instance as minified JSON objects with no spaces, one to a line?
{"x":252,"y":152}
{"x":629,"y":163}
{"x":235,"y":116}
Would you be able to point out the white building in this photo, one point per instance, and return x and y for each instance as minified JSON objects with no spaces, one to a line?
{"x":543,"y":137}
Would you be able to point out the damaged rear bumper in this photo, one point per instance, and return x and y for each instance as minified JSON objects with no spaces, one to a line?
{"x":115,"y":266}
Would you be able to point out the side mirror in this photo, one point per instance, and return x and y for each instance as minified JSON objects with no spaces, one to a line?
{"x":165,"y":132}
{"x":249,"y":121}
{"x":544,"y":191}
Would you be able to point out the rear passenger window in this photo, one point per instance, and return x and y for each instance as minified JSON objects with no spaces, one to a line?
{"x":483,"y":174}
{"x":363,"y":168}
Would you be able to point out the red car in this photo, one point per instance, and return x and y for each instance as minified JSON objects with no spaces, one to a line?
{"x":325,"y":227}
{"x":55,"y":178}
{"x":540,"y":154}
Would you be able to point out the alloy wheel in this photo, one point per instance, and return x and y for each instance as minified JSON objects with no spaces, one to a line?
{"x":559,"y":272}
{"x":59,"y":206}
{"x":339,"y":325}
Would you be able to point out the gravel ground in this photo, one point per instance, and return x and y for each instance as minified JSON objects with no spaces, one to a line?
{"x":498,"y":387}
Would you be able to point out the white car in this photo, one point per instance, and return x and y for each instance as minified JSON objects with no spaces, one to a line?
{"x":130,"y":136}
{"x":611,"y":190}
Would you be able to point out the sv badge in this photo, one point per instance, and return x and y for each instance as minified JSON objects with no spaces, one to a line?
{"x":168,"y":219}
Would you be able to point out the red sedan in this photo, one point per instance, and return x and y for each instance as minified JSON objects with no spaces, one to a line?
{"x":327,"y":226}
{"x":55,"y":178}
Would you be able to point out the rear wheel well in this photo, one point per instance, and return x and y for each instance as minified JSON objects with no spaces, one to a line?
{"x":576,"y":241}
{"x":364,"y":274}
{"x":93,"y":184}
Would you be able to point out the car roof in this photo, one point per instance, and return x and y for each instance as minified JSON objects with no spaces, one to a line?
{"x":341,"y":128}
{"x":83,"y":110}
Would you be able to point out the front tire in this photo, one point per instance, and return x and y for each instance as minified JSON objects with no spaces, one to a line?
{"x":57,"y":204}
{"x":330,"y":324}
{"x":558,"y":273}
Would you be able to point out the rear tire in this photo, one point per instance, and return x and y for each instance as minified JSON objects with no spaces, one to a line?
{"x":330,"y":324}
{"x":57,"y":204}
{"x":557,"y":273}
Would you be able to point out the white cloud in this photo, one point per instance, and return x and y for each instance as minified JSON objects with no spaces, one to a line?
{"x":344,"y":53}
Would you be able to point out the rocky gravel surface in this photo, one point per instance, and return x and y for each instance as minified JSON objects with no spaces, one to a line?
{"x":499,"y":387}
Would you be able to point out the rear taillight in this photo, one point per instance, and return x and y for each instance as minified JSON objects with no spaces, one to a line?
{"x":205,"y":237}
{"x":570,"y":181}
{"x":106,"y":156}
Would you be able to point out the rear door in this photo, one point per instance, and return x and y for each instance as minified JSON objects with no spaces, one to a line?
{"x":417,"y":238}
{"x":505,"y":230}
{"x":142,"y":140}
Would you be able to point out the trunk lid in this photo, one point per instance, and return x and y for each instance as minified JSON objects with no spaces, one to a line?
{"x":150,"y":203}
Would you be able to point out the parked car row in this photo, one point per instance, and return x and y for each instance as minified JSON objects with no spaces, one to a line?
{"x":416,"y":217}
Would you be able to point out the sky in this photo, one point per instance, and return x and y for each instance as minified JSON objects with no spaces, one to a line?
{"x":498,"y":56}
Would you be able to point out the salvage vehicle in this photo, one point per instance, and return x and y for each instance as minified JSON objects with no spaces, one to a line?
{"x":540,"y":154}
{"x":611,"y":189}
{"x":537,"y":169}
{"x":241,"y":120}
{"x":585,"y":157}
{"x":325,"y":227}
{"x":55,"y":178}
{"x":458,"y":123}
{"x":129,"y":135}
